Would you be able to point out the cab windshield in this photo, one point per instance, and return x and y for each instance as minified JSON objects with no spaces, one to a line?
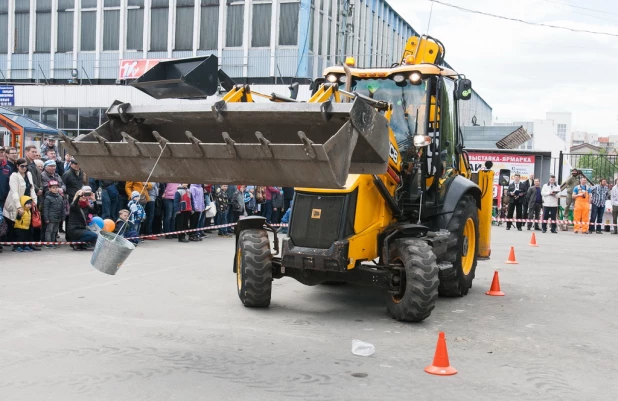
{"x":409,"y":104}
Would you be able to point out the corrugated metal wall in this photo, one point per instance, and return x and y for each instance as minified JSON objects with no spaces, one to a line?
{"x":102,"y":96}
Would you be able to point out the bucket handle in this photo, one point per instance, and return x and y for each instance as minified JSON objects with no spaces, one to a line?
{"x":147,"y":181}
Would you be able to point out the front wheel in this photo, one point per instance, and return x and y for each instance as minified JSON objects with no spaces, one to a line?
{"x":463,"y":247}
{"x":254,"y":272}
{"x":418,"y":281}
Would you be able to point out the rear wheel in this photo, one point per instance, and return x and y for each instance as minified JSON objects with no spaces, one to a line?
{"x":418,"y":281}
{"x":462,"y":249}
{"x":254,"y":272}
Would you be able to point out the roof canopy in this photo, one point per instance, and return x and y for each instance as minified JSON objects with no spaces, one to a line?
{"x":17,"y":123}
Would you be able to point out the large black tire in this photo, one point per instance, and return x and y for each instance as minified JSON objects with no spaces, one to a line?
{"x":463,"y":247}
{"x":419,"y":281}
{"x":254,"y":272}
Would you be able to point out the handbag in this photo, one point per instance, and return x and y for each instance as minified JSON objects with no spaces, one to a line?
{"x":211,"y":211}
{"x":36,"y":217}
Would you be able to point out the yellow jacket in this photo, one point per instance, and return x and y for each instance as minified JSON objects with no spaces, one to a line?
{"x":131,"y":186}
{"x":26,"y":218}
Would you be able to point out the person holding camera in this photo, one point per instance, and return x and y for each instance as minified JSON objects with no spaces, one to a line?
{"x":517,"y":193}
{"x":77,"y":227}
{"x":582,"y":194}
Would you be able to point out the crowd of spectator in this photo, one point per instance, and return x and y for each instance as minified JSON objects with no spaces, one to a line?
{"x":43,"y":197}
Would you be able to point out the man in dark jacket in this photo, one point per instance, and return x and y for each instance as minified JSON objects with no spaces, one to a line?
{"x":6,"y":169}
{"x":288,"y":195}
{"x":109,"y":199}
{"x":223,"y":204}
{"x":73,"y":178}
{"x":517,"y":194}
{"x":535,"y":203}
{"x":50,"y":174}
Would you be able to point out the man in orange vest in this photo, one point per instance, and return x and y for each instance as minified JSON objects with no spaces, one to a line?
{"x":581,"y":214}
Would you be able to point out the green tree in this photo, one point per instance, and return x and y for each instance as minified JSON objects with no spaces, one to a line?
{"x":602,"y":165}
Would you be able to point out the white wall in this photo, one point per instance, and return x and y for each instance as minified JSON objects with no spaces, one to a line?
{"x":561,"y":118}
{"x":102,"y":96}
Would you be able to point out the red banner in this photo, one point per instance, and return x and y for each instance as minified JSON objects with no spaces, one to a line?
{"x":133,"y":69}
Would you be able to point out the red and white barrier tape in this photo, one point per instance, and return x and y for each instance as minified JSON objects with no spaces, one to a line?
{"x":548,"y":221}
{"x":130,"y":238}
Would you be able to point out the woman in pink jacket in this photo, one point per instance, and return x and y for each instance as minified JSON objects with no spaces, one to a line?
{"x":168,"y":207}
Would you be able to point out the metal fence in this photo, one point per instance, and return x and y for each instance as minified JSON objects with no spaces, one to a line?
{"x":594,"y":166}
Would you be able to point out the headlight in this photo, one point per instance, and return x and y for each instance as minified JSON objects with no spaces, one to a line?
{"x":399,"y":78}
{"x":343,"y":79}
{"x":416,"y":77}
{"x":332,"y":78}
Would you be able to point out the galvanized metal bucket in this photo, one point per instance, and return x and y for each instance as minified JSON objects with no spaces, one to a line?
{"x":110,"y":252}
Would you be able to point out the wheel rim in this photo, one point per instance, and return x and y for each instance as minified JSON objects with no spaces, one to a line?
{"x":468,"y":246}
{"x":402,"y":282}
{"x":238,"y":269}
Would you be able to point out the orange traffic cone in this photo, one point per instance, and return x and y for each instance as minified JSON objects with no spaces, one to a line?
{"x":533,"y":240}
{"x":512,"y":260}
{"x":494,"y":290}
{"x":440,"y":365}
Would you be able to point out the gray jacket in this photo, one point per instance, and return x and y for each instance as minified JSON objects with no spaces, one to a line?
{"x":53,"y":208}
{"x":531,"y":197}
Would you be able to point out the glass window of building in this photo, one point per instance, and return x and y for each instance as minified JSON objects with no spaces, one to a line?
{"x":260,"y":31}
{"x":184,"y":25}
{"x":111,"y":24}
{"x":67,"y":118}
{"x":33,"y":113}
{"x":43,"y":26}
{"x":88,"y":118}
{"x":158,"y":25}
{"x":103,"y":116}
{"x":65,"y":26}
{"x":135,"y":25}
{"x":4,"y":25}
{"x":235,"y":25}
{"x":288,"y":24}
{"x":88,"y":25}
{"x":22,"y":26}
{"x":49,"y":117}
{"x":209,"y":29}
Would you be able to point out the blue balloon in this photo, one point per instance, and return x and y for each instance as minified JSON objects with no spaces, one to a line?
{"x":98,"y":221}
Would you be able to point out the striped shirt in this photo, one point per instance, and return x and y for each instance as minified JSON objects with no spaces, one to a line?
{"x":599,"y":195}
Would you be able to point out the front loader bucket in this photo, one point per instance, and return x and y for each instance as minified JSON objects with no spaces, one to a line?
{"x":188,"y":78}
{"x":284,"y":144}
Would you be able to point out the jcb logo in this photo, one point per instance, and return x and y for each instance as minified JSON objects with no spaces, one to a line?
{"x":394,"y":155}
{"x":316,"y":213}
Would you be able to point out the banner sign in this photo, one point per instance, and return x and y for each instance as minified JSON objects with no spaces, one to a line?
{"x":7,"y":96}
{"x":133,"y":69}
{"x":518,"y":164}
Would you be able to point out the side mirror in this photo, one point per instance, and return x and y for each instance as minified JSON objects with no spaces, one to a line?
{"x":315,"y":85}
{"x":505,"y":177}
{"x":464,"y":89}
{"x":293,"y":90}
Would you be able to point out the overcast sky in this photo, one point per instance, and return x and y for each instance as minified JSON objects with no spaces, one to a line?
{"x":523,"y":71}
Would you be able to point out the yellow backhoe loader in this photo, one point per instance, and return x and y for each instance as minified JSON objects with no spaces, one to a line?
{"x":384,"y":195}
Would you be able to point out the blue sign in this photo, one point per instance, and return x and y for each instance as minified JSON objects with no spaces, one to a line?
{"x":7,"y":96}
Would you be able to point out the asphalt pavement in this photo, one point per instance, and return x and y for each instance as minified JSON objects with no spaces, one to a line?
{"x":169,"y":326}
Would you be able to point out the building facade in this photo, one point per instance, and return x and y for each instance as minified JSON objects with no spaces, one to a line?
{"x":68,"y":60}
{"x":52,"y":40}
